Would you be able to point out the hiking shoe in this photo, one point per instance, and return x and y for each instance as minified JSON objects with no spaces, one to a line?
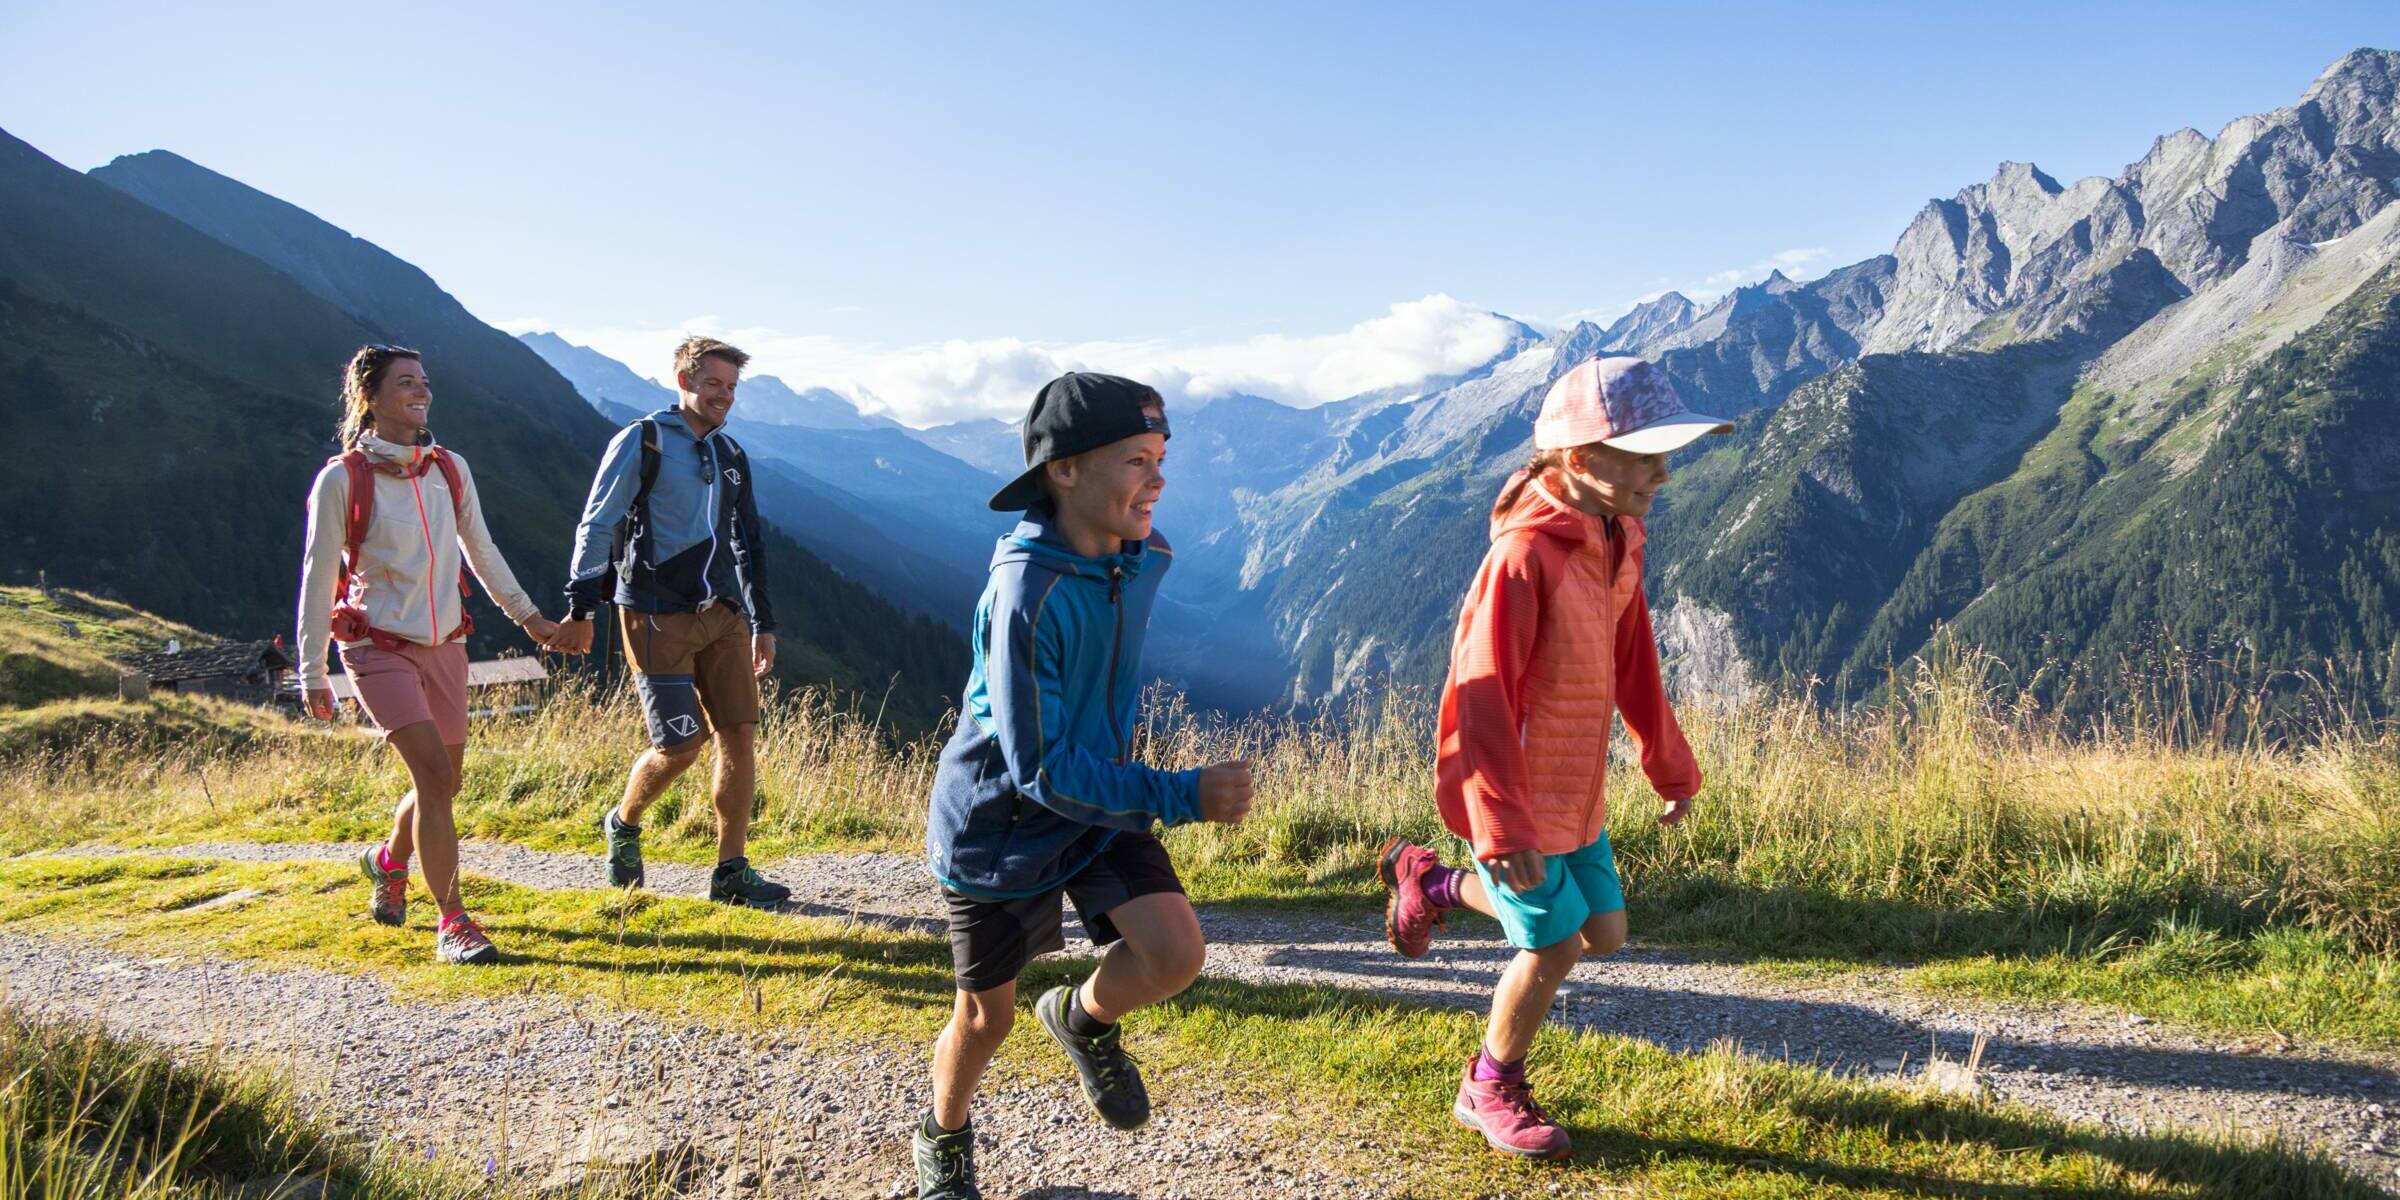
{"x":624,"y":851}
{"x":1110,"y":1080}
{"x":388,"y":903}
{"x":1409,"y":918}
{"x":462,"y":941}
{"x":945,"y":1164}
{"x":735,"y":883}
{"x":1506,"y":1114}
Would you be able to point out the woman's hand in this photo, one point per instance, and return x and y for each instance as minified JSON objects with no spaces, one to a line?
{"x":1676,"y":811}
{"x":320,"y":703}
{"x":1521,"y":870}
{"x":542,"y":630}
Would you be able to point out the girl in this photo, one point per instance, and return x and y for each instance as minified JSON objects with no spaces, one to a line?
{"x":1554,"y":642}
{"x":387,"y":522}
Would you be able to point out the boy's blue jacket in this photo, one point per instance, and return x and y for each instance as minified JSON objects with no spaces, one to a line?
{"x":1039,"y":776}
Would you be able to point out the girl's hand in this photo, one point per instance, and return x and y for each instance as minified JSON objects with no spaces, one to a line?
{"x":320,"y":703}
{"x":1521,"y":870}
{"x":1676,"y":811}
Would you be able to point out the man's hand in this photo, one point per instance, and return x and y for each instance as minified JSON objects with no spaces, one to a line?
{"x":572,"y":637}
{"x":320,"y":703}
{"x":762,"y":654}
{"x":1225,"y":793}
{"x":541,"y":629}
{"x":1676,"y":811}
{"x":1521,"y":870}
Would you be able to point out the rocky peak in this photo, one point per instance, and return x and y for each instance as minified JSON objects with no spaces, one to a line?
{"x":1649,"y":321}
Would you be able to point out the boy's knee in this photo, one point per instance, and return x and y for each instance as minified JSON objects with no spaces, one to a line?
{"x":984,"y":1021}
{"x":1177,"y":960}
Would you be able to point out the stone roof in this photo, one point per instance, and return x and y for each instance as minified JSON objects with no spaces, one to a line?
{"x":228,"y":659}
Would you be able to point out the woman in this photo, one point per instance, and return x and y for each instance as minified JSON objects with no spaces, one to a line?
{"x":388,"y":520}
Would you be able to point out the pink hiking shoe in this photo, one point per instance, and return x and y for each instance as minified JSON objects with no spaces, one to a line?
{"x":388,"y":904}
{"x":1409,"y":917}
{"x":1505,"y":1113}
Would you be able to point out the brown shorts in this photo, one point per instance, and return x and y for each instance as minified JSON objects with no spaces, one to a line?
{"x":693,"y":669}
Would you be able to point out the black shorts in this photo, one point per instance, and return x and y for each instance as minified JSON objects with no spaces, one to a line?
{"x":992,"y":940}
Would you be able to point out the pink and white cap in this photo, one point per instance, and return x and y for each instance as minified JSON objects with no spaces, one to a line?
{"x":1627,"y":403}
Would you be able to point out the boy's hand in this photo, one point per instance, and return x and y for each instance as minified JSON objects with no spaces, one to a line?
{"x":1521,"y":870}
{"x":1225,"y":793}
{"x":320,"y":703}
{"x":762,"y":654}
{"x":1676,"y":811}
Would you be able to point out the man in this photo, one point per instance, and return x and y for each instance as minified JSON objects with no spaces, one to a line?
{"x":672,"y":517}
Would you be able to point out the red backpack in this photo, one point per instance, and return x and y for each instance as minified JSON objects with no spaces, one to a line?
{"x":349,"y":620}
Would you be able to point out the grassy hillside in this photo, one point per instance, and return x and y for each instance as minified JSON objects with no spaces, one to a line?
{"x":169,"y":397}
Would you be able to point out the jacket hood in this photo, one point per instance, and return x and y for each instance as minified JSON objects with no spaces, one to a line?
{"x":1036,"y":540}
{"x":396,"y":455}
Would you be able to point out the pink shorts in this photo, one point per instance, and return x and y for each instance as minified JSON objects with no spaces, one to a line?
{"x":415,"y":683}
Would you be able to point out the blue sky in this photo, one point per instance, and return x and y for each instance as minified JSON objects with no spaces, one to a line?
{"x":925,"y":203}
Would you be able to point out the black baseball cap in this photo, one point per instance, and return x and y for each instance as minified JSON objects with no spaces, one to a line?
{"x":1075,"y":412}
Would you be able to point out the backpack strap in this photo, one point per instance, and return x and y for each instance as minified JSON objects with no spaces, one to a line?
{"x":458,"y":513}
{"x":358,"y":511}
{"x":640,"y":513}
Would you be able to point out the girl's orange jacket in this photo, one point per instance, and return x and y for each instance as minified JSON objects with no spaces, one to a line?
{"x":1554,"y":641}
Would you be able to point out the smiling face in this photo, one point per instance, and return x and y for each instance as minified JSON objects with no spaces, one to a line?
{"x":708,"y":390}
{"x":1106,"y":496}
{"x":401,"y":400}
{"x":1606,"y":481}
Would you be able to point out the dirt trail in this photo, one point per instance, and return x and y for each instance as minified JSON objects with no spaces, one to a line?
{"x":526,"y":1088}
{"x":2077,"y":1062}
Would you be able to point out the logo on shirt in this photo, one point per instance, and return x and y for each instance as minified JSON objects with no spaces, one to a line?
{"x":733,"y":476}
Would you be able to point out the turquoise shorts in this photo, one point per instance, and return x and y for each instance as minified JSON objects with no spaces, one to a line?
{"x":1576,"y":887}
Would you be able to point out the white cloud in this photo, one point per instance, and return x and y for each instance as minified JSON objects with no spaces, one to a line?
{"x":947,"y":381}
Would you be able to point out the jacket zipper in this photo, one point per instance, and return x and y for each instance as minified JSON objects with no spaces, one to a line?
{"x":1116,"y":642}
{"x":433,"y":605}
{"x":1613,"y":561}
{"x":707,"y":591}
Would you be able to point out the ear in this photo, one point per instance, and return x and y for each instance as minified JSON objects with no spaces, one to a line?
{"x":1063,"y":470}
{"x":683,"y":383}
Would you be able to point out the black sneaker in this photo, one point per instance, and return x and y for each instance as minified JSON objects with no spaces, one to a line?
{"x":1110,"y":1080}
{"x":945,"y":1164}
{"x":736,"y":883}
{"x":624,"y":851}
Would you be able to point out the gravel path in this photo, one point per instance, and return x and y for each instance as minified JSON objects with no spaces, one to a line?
{"x":2082,"y":1063}
{"x":542,"y":1091}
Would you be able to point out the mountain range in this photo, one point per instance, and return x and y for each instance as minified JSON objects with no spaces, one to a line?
{"x":2085,"y":426}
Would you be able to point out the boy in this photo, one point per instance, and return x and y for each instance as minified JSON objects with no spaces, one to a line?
{"x":672,"y":518}
{"x":1037,"y":794}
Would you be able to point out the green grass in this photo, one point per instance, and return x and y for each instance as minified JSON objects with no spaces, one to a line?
{"x":57,"y":645}
{"x":1954,"y":834}
{"x":1346,"y":1064}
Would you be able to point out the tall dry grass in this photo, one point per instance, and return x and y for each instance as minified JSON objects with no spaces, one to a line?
{"x":1954,"y":816}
